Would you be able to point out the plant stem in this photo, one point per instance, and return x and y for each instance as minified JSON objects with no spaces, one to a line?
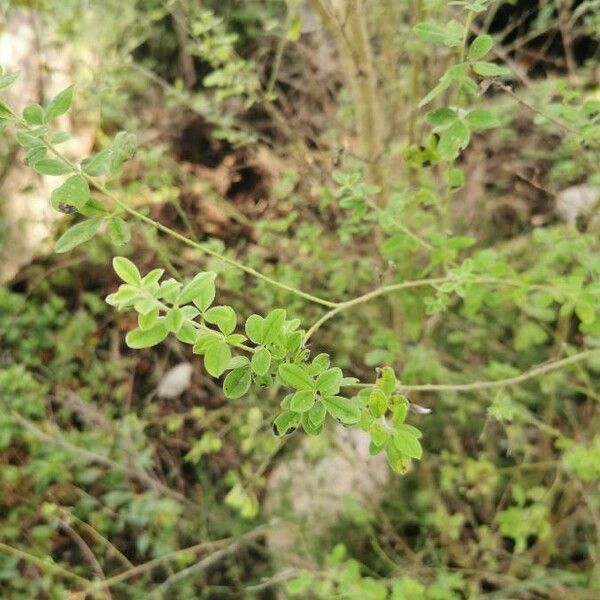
{"x":43,"y":564}
{"x":175,"y":234}
{"x":386,"y":289}
{"x":542,"y":369}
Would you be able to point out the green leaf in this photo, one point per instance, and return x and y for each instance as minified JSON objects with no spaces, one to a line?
{"x":319,"y":364}
{"x":347,"y":411}
{"x":188,"y":334}
{"x":254,"y":328}
{"x":441,"y":117}
{"x":482,"y":119}
{"x":328,"y":382}
{"x":386,"y":382}
{"x":216,"y":358}
{"x":60,"y":104}
{"x":146,"y":338}
{"x":78,"y":234}
{"x":442,"y":85}
{"x":200,"y":290}
{"x":74,"y":192}
{"x":51,"y":166}
{"x":5,"y":112}
{"x":223,"y":317}
{"x":317,"y":413}
{"x":400,"y":411}
{"x":286,"y":422}
{"x":407,"y":443}
{"x":28,"y":140}
{"x":59,"y":137}
{"x":174,"y":320}
{"x":453,"y":139}
{"x":237,"y":383}
{"x":295,"y":376}
{"x":127,"y":271}
{"x":272,"y":325}
{"x":118,"y":230}
{"x":149,"y":319}
{"x":204,"y":340}
{"x":433,"y":33}
{"x":480,"y":46}
{"x":33,"y":114}
{"x":97,"y":164}
{"x":261,"y":361}
{"x":302,"y":400}
{"x":378,"y":402}
{"x":486,"y":69}
{"x":8,"y":79}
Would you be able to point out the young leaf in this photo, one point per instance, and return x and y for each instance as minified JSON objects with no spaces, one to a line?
{"x":328,"y":382}
{"x":347,"y":411}
{"x":60,"y":104}
{"x":286,"y":422}
{"x":74,"y":192}
{"x":51,"y":166}
{"x":480,"y":46}
{"x":272,"y":325}
{"x":223,"y":317}
{"x":482,"y":119}
{"x":295,"y":376}
{"x":441,"y":117}
{"x":237,"y":382}
{"x":174,"y":320}
{"x":200,"y":290}
{"x":78,"y":234}
{"x":146,"y":338}
{"x":97,"y":164}
{"x":34,"y":114}
{"x":261,"y":361}
{"x":302,"y":400}
{"x":378,"y":402}
{"x":453,"y":139}
{"x":317,"y":414}
{"x":8,"y":79}
{"x":118,"y":230}
{"x":216,"y":358}
{"x":400,"y":411}
{"x":407,"y":443}
{"x":486,"y":69}
{"x":149,"y":319}
{"x":387,"y":381}
{"x":254,"y":328}
{"x":127,"y":271}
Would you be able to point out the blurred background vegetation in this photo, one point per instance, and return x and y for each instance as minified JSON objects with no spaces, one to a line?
{"x":243,"y":111}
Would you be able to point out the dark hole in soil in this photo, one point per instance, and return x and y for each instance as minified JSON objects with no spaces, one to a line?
{"x":197,"y":145}
{"x":247,"y":180}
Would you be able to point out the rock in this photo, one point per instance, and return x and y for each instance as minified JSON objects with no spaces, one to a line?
{"x":576,"y":202}
{"x":27,"y":218}
{"x":175,"y":381}
{"x":308,"y":494}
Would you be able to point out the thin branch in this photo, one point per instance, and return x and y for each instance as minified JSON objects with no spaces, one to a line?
{"x":548,"y":367}
{"x":43,"y":564}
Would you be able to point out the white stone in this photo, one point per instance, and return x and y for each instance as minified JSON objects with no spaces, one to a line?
{"x":576,"y":201}
{"x":175,"y":381}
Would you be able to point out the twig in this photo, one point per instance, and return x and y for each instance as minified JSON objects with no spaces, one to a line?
{"x":139,"y":474}
{"x":548,"y":367}
{"x":43,"y":564}
{"x":208,"y":561}
{"x":87,"y":553}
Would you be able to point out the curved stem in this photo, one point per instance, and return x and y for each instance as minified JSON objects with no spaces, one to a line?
{"x":386,"y":289}
{"x":175,"y":234}
{"x":548,"y":367}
